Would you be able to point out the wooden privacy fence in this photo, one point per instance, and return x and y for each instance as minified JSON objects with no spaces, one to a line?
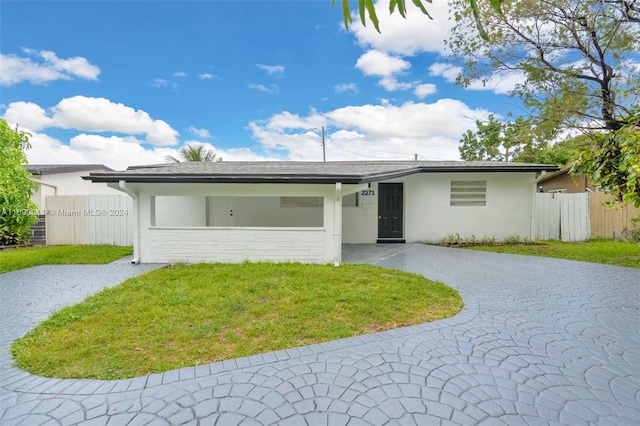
{"x":562,"y":216}
{"x":89,"y":219}
{"x":610,"y":221}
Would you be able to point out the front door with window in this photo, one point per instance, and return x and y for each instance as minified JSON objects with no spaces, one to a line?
{"x":390,"y":213}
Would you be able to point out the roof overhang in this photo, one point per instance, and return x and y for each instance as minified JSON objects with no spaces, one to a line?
{"x":54,"y":169}
{"x":135,"y":175}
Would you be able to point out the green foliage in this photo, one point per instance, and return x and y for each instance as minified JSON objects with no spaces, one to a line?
{"x":196,"y":152}
{"x":576,"y":59}
{"x":457,"y":240}
{"x":498,"y":141}
{"x":513,"y":239}
{"x":564,"y":152}
{"x":17,"y":211}
{"x":186,"y":315}
{"x":368,"y":7}
{"x":613,"y":162}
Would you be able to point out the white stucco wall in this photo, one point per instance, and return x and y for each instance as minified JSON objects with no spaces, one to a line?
{"x":199,"y":225}
{"x":263,"y":211}
{"x":229,"y":241}
{"x":428,"y":215}
{"x":67,"y":184}
{"x":181,"y":211}
{"x":231,"y":244}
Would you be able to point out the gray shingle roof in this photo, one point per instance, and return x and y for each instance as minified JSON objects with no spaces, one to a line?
{"x":302,"y":172}
{"x":52,"y":169}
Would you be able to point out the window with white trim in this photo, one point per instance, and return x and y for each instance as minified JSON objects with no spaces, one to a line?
{"x":469,"y":193}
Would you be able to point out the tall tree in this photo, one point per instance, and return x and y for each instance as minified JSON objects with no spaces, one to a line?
{"x":17,"y":211}
{"x":613,"y":161}
{"x":195,"y":152}
{"x":565,"y":151}
{"x":497,"y":141}
{"x":578,"y":59}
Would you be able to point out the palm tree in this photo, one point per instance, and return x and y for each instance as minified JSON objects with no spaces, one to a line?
{"x":196,"y":152}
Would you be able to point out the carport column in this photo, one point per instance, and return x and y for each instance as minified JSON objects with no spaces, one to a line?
{"x":136,"y":219}
{"x":337,"y":225}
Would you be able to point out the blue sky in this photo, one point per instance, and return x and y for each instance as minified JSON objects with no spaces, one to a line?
{"x":129,"y":82}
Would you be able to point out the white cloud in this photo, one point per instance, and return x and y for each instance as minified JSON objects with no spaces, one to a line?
{"x":264,"y":89}
{"x":447,"y":71}
{"x":180,"y":74}
{"x":48,"y":150}
{"x":369,"y":132}
{"x":387,"y":66}
{"x":346,"y":87}
{"x":117,"y":152}
{"x":272,"y":69}
{"x":417,"y":33}
{"x":43,"y":68}
{"x":286,"y":120}
{"x":392,"y":84}
{"x":161,"y":82}
{"x":445,"y":117}
{"x":27,"y":114}
{"x":94,"y":115}
{"x":423,"y":90}
{"x":501,"y":83}
{"x":381,"y":64}
{"x":200,"y":133}
{"x":207,"y":76}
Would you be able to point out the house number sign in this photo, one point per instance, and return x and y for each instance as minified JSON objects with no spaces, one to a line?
{"x":367,"y":192}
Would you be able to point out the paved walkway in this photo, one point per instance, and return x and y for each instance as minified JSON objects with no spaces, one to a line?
{"x":540,"y":341}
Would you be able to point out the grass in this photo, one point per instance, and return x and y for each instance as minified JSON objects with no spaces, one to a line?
{"x":185,"y":315}
{"x":598,"y":251}
{"x":26,"y":257}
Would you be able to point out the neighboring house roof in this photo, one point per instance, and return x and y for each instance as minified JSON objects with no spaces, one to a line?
{"x":562,"y":171}
{"x":302,"y":172}
{"x":52,"y":169}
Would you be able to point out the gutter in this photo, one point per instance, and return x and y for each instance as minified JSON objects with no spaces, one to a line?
{"x":542,"y":176}
{"x":39,"y":182}
{"x":136,"y":227}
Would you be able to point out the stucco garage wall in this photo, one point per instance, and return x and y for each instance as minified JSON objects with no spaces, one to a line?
{"x":428,"y":215}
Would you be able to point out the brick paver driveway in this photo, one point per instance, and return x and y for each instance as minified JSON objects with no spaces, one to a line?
{"x":540,"y":341}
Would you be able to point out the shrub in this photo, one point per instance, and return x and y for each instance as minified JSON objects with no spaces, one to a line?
{"x":17,"y":211}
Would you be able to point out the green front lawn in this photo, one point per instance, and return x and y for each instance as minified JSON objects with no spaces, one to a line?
{"x":188,"y":315}
{"x":598,"y":251}
{"x":26,"y":257}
